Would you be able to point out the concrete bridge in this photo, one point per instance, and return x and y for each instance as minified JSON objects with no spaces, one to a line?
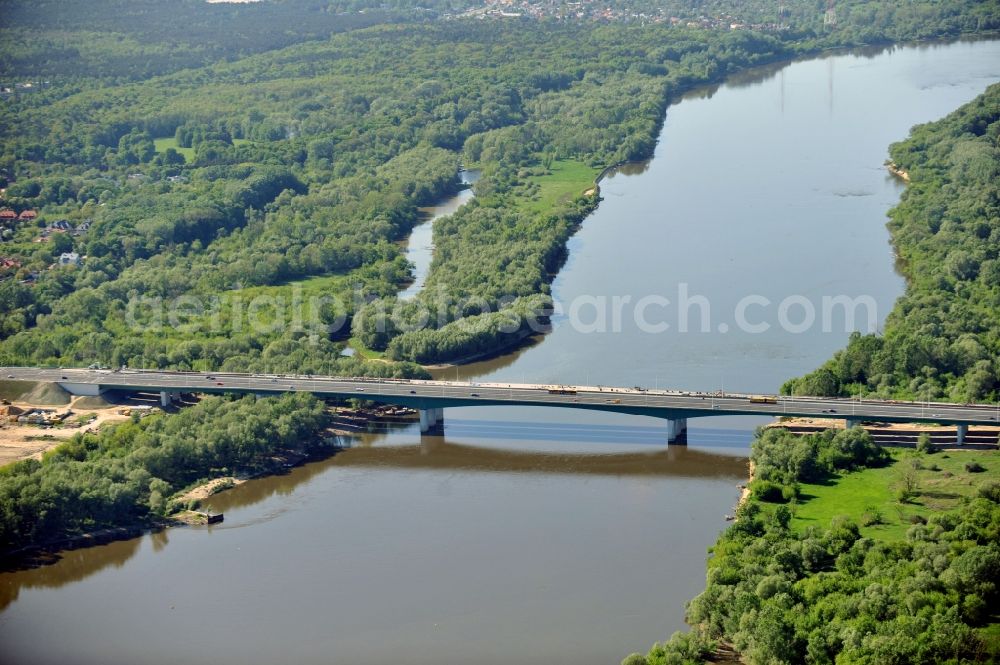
{"x":432,"y":397}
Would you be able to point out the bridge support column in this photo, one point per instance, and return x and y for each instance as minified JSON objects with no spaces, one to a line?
{"x":851,"y":422}
{"x":168,"y":396}
{"x":430,"y":418}
{"x":677,"y":430}
{"x":960,"y":433}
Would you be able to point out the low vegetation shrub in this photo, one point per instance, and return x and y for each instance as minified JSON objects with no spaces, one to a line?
{"x":871,"y":516}
{"x":765,"y":490}
{"x":990,"y":490}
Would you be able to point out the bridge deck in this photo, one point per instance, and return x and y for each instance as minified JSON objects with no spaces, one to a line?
{"x":438,"y":394}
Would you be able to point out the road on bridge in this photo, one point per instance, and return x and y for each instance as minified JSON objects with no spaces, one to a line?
{"x":436,"y":394}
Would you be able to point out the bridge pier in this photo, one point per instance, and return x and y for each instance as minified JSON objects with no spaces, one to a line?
{"x":851,"y":422}
{"x":168,"y":396}
{"x":960,"y":433}
{"x":677,"y":431}
{"x":430,"y":418}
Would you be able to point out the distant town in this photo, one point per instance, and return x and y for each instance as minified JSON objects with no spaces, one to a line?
{"x":601,"y":11}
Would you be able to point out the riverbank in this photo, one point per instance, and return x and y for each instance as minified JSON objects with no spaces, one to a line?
{"x":125,"y":476}
{"x":53,"y":551}
{"x":516,"y":342}
{"x":745,"y":490}
{"x":895,"y":170}
{"x":951,"y":284}
{"x":185,"y":512}
{"x":791,"y":577}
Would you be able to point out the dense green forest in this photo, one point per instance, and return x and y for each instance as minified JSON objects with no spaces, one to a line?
{"x":119,"y":40}
{"x":311,"y":163}
{"x":942,"y":339}
{"x":127,"y":473}
{"x":234,"y":202}
{"x":779,"y":592}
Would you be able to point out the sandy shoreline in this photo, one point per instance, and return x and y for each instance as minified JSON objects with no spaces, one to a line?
{"x":745,"y":492}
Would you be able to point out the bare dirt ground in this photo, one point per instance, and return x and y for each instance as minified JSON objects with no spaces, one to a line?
{"x":18,"y":442}
{"x":904,"y":434}
{"x":839,"y":423}
{"x":208,"y":489}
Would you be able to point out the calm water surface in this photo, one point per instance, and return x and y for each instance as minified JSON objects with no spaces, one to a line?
{"x":527,"y":535}
{"x":419,"y":246}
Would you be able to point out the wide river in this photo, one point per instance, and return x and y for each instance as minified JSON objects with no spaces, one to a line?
{"x":554,"y":536}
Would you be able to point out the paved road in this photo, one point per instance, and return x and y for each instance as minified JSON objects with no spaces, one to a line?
{"x":434,"y":394}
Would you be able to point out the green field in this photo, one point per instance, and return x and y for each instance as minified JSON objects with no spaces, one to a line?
{"x":941,"y":484}
{"x":161,"y":145}
{"x":563,"y":181}
{"x":363,"y":351}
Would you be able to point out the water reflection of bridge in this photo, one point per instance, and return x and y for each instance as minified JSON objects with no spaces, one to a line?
{"x":436,"y":453}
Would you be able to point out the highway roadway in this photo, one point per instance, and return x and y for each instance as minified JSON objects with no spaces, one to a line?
{"x":438,"y":394}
